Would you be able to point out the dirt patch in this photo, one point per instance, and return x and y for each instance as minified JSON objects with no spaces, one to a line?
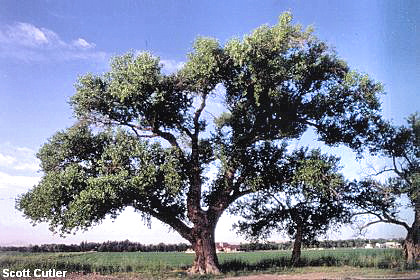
{"x":324,"y":276}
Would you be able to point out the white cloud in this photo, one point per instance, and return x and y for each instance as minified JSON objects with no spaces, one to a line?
{"x":30,"y":166}
{"x":13,"y":158}
{"x":24,"y":34}
{"x":27,"y":34}
{"x":14,"y":182}
{"x":24,"y":149}
{"x":6,"y":160}
{"x":170,"y":66}
{"x":82,"y":43}
{"x":25,"y":41}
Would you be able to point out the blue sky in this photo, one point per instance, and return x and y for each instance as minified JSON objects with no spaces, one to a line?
{"x":45,"y":45}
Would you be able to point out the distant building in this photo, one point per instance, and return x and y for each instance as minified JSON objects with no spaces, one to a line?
{"x":380,"y":245}
{"x":221,"y":247}
{"x":388,"y":245}
{"x":368,"y":246}
{"x":226,"y":247}
{"x":392,"y":244}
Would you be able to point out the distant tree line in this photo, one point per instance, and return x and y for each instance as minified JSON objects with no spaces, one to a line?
{"x":108,"y":246}
{"x":128,"y":246}
{"x":327,"y":244}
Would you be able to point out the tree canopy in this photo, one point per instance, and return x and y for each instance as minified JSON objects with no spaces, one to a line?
{"x":312,"y":198}
{"x":381,"y":200}
{"x":141,"y":138}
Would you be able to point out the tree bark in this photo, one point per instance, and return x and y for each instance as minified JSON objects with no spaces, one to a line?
{"x":205,"y":261}
{"x":412,"y":241}
{"x":297,"y":246}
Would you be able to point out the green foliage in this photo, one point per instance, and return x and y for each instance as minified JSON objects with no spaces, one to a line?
{"x":402,"y":146}
{"x":311,"y":197}
{"x":134,"y":90}
{"x":380,"y":200}
{"x":89,"y":176}
{"x":279,"y":81}
{"x":203,"y":72}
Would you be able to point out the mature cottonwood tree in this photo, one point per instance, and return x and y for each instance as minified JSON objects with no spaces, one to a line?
{"x":277,"y":82}
{"x":400,"y":145}
{"x":311,"y":199}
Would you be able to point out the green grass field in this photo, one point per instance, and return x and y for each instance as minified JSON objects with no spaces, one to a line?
{"x":163,"y":263}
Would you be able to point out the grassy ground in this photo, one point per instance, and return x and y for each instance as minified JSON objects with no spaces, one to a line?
{"x":171,"y":264}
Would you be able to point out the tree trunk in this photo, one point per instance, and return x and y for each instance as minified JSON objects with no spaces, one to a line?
{"x":412,"y":242}
{"x":297,"y":246}
{"x":206,"y":261}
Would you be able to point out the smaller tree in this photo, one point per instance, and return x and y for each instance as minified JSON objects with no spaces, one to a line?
{"x":305,"y":204}
{"x":381,"y":200}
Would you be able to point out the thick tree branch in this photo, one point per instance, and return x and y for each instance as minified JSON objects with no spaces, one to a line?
{"x":174,"y":222}
{"x":407,"y":159}
{"x":391,"y":220}
{"x":318,"y":127}
{"x":147,"y":135}
{"x":195,"y":213}
{"x":168,"y":137}
{"x":223,"y":202}
{"x":197,"y":114}
{"x":383,"y":171}
{"x":168,"y":216}
{"x":396,"y":170}
{"x":185,"y":130}
{"x":372,"y":223}
{"x":361,"y":213}
{"x":384,"y":218}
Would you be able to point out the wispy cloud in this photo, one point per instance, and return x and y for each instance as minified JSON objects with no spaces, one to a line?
{"x":24,"y":41}
{"x":18,"y":169}
{"x":13,"y":158}
{"x":83,"y":44}
{"x":17,"y":182}
{"x":6,"y":160}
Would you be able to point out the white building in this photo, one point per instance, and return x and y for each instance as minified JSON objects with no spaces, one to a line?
{"x":379,"y":245}
{"x":368,"y":246}
{"x":392,"y":245}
